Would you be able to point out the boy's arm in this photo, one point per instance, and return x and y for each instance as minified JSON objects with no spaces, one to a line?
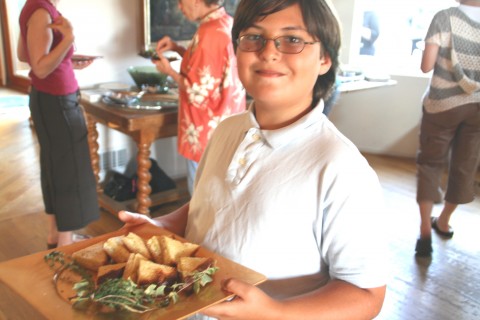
{"x":336,"y":300}
{"x":176,"y":221}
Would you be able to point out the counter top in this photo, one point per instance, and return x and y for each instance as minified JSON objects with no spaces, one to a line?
{"x":364,"y":84}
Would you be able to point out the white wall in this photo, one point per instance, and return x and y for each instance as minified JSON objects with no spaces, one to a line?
{"x":113,"y":29}
{"x":346,"y":10}
{"x":110,"y":28}
{"x":383,"y":120}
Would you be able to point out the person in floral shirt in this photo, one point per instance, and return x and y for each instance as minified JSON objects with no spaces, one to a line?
{"x":209,"y":87}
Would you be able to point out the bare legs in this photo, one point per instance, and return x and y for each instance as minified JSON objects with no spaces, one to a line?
{"x":55,"y":236}
{"x":444,"y":218}
{"x":442,"y":221}
{"x":425,"y":214}
{"x":65,"y":238}
{"x":423,"y":248}
{"x":52,"y":237}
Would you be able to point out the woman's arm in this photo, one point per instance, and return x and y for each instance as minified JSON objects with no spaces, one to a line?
{"x":21,"y":51}
{"x":175,"y":221}
{"x":40,"y":39}
{"x":429,"y":57}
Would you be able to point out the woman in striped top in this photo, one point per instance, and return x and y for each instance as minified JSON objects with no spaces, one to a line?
{"x":450,"y":128}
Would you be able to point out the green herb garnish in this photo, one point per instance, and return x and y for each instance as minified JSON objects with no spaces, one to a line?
{"x":121,"y":294}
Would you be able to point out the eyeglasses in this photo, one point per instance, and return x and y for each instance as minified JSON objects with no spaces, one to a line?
{"x":284,"y":44}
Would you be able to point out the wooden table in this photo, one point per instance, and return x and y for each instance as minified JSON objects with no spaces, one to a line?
{"x":144,"y":127}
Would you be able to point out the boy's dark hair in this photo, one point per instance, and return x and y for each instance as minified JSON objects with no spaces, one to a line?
{"x":320,"y":21}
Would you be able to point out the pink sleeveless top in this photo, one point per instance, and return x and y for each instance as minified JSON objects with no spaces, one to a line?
{"x":62,"y":80}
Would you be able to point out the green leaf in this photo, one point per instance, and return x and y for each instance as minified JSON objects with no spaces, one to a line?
{"x":121,"y":294}
{"x":204,"y":279}
{"x":173,"y":296}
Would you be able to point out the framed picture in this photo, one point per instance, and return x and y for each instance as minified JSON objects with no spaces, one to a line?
{"x":163,"y":17}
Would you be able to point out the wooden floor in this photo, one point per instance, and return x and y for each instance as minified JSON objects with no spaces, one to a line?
{"x":445,"y":287}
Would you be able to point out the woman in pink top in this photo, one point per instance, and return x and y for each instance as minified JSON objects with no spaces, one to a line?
{"x":209,"y":87}
{"x":68,"y":185}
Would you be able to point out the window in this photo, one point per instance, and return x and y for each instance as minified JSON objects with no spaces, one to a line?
{"x":402,"y":26}
{"x":17,"y":72}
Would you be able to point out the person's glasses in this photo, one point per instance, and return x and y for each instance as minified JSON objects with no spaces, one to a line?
{"x":284,"y":44}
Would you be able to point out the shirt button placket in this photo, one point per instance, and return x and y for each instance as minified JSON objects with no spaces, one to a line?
{"x":245,"y":153}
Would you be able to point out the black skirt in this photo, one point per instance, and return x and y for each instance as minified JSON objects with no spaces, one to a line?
{"x":67,"y":179}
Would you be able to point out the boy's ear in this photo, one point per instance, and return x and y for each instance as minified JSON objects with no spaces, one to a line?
{"x":325,"y":64}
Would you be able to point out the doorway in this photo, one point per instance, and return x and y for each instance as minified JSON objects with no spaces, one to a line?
{"x":15,"y":71}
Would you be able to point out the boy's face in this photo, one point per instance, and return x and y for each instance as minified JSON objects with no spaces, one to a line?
{"x":281,"y":80}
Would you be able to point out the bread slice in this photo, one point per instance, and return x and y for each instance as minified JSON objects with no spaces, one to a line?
{"x":187,"y":266}
{"x":153,"y":245}
{"x":110,"y":271}
{"x":153,"y":273}
{"x":92,"y":257}
{"x":116,"y":249}
{"x":135,"y":244}
{"x":173,"y":250}
{"x":131,"y":268}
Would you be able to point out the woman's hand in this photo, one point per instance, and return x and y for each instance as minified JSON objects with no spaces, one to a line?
{"x":81,"y":64}
{"x":165,"y":44}
{"x":163,"y":65}
{"x":133,"y":219}
{"x":249,"y":303}
{"x":62,"y":25}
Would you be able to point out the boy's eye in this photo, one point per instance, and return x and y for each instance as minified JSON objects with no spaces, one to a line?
{"x":292,"y":39}
{"x":253,"y":37}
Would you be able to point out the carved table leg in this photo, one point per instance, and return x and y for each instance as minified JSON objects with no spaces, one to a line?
{"x":143,"y":184}
{"x":93,"y":144}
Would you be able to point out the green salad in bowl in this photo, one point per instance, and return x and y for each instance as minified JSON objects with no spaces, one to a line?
{"x":149,"y":79}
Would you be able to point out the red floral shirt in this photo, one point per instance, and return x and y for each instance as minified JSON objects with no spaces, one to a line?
{"x":212,"y":90}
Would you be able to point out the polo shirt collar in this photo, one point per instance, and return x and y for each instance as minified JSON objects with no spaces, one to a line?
{"x":280,"y":137}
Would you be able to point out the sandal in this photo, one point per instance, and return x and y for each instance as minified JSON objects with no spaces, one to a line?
{"x":423,"y":248}
{"x":445,"y":234}
{"x":51,"y":245}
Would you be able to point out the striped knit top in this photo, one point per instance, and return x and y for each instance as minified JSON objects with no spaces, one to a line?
{"x":456,"y":75}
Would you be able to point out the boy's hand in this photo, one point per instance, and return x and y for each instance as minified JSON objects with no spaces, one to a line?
{"x":249,"y":303}
{"x":133,"y":219}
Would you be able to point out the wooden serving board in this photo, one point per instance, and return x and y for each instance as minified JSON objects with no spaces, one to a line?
{"x":29,"y":282}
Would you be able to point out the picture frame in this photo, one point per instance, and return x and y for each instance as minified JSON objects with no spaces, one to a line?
{"x":163,"y":17}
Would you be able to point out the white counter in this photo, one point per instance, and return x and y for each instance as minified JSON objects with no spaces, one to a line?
{"x":364,"y":84}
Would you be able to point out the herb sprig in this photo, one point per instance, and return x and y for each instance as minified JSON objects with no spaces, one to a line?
{"x":121,"y":294}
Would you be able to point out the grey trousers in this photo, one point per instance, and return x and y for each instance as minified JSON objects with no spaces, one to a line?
{"x":67,"y":179}
{"x":449,"y":138}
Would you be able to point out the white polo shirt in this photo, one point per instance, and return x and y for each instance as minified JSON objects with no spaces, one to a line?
{"x":299,"y":204}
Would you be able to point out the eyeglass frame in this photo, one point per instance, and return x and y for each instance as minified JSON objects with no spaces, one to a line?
{"x":275,"y":42}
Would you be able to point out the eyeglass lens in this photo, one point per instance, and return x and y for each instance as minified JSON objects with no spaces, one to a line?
{"x":285,"y":44}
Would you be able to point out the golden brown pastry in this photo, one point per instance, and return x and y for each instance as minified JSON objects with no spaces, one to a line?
{"x":136,"y":244}
{"x":131,"y":268}
{"x":92,"y":257}
{"x":110,"y":271}
{"x":116,"y":249}
{"x":153,"y":245}
{"x":187,"y":266}
{"x":173,"y":250}
{"x":150,"y":272}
